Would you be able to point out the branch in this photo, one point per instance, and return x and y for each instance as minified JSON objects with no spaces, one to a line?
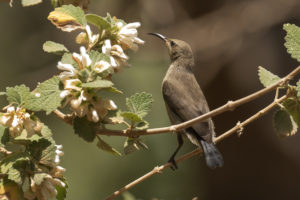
{"x":230,"y":106}
{"x":239,"y":127}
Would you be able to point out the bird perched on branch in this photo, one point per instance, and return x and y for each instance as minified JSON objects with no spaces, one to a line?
{"x":185,"y":100}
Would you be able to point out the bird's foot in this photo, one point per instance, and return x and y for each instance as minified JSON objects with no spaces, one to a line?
{"x":174,"y":164}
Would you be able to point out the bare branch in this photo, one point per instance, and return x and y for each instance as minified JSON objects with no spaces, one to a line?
{"x":231,"y":105}
{"x":236,"y":128}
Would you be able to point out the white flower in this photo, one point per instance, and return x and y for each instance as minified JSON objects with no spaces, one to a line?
{"x":58,"y":154}
{"x":57,"y":172}
{"x":68,"y":71}
{"x":82,"y":59}
{"x":16,"y":119}
{"x":127,"y":35}
{"x":72,"y":84}
{"x":101,"y":66}
{"x":116,"y":53}
{"x":45,"y":190}
{"x":93,"y":39}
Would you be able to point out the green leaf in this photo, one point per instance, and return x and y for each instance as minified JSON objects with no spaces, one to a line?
{"x":23,"y":137}
{"x":140,"y":103}
{"x":98,"y":83}
{"x":62,"y":191}
{"x":266,"y":77}
{"x":53,"y":47}
{"x":67,"y":58}
{"x":2,"y":93}
{"x":292,"y":39}
{"x":30,"y":2}
{"x":131,"y":116}
{"x":38,"y":178}
{"x":43,"y":151}
{"x":133,"y":144}
{"x":48,"y":98}
{"x":46,"y":132}
{"x":17,"y":95}
{"x":4,"y":135}
{"x":292,"y":105}
{"x":100,"y":22}
{"x":13,"y":164}
{"x":96,"y":56}
{"x":114,"y":90}
{"x":68,"y":18}
{"x":283,"y":123}
{"x":106,"y":147}
{"x":84,"y":128}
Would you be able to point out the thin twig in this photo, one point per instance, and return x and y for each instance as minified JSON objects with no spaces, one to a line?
{"x":231,"y":105}
{"x":159,"y":169}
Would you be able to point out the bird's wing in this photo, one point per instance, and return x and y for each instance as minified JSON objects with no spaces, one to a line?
{"x":188,"y":102}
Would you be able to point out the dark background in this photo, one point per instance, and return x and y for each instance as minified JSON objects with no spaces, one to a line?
{"x":230,"y":39}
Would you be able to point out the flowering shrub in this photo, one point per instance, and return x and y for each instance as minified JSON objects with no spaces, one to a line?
{"x":30,"y":158}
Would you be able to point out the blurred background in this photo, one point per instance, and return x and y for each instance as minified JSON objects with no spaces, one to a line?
{"x":229,"y":39}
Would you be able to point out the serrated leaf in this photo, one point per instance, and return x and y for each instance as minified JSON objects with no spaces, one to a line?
{"x":4,"y":135}
{"x":68,"y":18}
{"x":43,"y":151}
{"x":46,"y":132}
{"x":106,"y":147}
{"x":62,"y":191}
{"x":17,"y":95}
{"x":100,"y":22}
{"x":12,"y":164}
{"x":98,"y":83}
{"x":266,"y":77}
{"x":140,"y":103}
{"x":133,"y":144}
{"x":292,"y":39}
{"x":2,"y":93}
{"x":30,"y":2}
{"x":84,"y":128}
{"x":283,"y":123}
{"x":53,"y":47}
{"x":292,"y":105}
{"x":131,"y":116}
{"x":48,"y":98}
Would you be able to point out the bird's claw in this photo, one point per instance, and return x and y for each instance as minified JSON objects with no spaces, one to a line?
{"x":174,"y":164}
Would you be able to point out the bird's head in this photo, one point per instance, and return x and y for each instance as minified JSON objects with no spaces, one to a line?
{"x":177,"y":48}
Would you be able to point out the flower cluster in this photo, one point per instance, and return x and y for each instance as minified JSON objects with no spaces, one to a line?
{"x":84,"y":101}
{"x":46,"y":189}
{"x":17,"y":119}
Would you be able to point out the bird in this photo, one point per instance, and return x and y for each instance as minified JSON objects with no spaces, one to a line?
{"x":185,"y":100}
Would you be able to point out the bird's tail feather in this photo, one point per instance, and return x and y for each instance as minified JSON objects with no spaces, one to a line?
{"x":212,"y":155}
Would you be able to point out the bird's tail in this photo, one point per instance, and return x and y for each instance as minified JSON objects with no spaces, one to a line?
{"x":212,"y":155}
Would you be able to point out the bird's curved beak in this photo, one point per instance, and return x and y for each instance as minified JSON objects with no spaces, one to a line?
{"x":159,"y":36}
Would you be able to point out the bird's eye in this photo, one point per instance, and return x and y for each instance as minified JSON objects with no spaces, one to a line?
{"x":172,"y":43}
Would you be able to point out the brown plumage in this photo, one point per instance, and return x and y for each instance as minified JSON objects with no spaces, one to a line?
{"x":185,"y":100}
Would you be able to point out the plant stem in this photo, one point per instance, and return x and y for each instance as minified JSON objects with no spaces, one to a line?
{"x":159,"y":169}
